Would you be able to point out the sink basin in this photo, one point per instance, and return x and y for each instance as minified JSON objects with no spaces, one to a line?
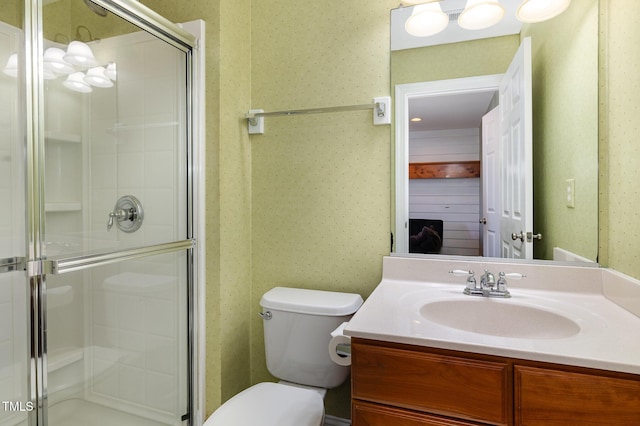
{"x":501,"y":318}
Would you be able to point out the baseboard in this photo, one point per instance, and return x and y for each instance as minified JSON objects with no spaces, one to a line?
{"x":336,"y":421}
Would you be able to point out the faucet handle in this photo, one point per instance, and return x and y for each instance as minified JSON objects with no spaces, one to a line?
{"x":471,"y":279}
{"x":513,"y":275}
{"x":119,"y":214}
{"x":501,"y":285}
{"x":461,"y":273}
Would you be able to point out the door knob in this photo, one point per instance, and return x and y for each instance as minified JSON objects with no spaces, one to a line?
{"x":483,"y":221}
{"x":519,"y":236}
{"x":531,"y":236}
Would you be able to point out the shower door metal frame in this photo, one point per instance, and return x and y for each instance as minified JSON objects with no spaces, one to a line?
{"x":36,"y":265}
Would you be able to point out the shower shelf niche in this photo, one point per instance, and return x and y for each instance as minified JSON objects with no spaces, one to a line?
{"x":62,"y":207}
{"x":55,"y":136}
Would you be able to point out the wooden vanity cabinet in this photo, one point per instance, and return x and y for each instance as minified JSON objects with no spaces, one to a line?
{"x":368,"y":414}
{"x":405,"y":385}
{"x":474,"y":390}
{"x":550,"y":397}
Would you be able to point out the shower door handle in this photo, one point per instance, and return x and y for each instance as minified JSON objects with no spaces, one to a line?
{"x":78,"y":263}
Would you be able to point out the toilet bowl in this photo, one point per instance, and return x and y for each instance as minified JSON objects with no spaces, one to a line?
{"x":297,"y":326}
{"x":271,"y":404}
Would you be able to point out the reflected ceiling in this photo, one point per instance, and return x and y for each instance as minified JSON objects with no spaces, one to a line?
{"x":461,"y":111}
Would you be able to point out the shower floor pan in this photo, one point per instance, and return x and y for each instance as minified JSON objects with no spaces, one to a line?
{"x":78,"y":412}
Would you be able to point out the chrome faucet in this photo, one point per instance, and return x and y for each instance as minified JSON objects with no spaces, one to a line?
{"x":488,"y":287}
{"x":487,"y":282}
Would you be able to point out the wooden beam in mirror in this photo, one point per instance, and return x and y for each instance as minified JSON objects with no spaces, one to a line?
{"x":445,"y":170}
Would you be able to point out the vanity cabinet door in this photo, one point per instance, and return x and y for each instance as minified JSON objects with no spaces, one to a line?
{"x":553,"y":397}
{"x":367,"y":414}
{"x":463,"y":388}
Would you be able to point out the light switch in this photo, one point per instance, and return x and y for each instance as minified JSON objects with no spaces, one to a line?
{"x":571,"y":193}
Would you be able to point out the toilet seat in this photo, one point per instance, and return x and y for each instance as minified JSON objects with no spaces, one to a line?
{"x":270,"y":404}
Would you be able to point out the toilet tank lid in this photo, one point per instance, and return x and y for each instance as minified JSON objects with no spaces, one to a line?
{"x":314,"y":302}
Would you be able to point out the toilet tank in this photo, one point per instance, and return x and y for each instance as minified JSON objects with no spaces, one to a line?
{"x":297,"y":334}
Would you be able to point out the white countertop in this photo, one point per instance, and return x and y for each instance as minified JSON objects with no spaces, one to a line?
{"x":607,"y":337}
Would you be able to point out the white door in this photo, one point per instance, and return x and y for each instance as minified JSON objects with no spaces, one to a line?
{"x":490,"y":221}
{"x":516,"y":171}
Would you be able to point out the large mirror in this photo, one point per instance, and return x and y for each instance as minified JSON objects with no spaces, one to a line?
{"x":444,"y":209}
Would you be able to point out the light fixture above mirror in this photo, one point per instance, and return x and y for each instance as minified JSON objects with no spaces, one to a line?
{"x":481,"y":14}
{"x":531,"y":11}
{"x":428,"y":19}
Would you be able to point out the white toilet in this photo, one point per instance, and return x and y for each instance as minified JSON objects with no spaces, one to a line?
{"x":297,"y":327}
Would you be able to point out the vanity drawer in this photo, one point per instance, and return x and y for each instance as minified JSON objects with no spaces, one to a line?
{"x":368,"y":414}
{"x":554,"y":397}
{"x":446,"y":385}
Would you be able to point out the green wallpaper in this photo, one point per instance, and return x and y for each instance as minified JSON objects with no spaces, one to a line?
{"x":235,"y":196}
{"x":320,"y":183}
{"x":620,"y":151}
{"x":228,"y":186}
{"x":456,"y":60}
{"x":565,"y":129}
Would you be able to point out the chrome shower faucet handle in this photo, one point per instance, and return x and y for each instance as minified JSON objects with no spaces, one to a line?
{"x":128,"y":214}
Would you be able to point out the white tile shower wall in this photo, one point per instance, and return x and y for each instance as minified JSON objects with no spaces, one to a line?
{"x":134,"y":134}
{"x":135,"y":335}
{"x":138,"y":308}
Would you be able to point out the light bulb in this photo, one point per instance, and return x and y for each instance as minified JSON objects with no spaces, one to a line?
{"x":95,"y":77}
{"x":426,"y":20}
{"x":111,"y":71}
{"x":54,"y":62}
{"x":481,"y":14}
{"x":80,"y":55}
{"x":531,"y":11}
{"x":11,"y":68}
{"x":76,"y":82}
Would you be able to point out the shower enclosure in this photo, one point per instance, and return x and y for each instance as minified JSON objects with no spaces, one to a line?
{"x":97,"y":231}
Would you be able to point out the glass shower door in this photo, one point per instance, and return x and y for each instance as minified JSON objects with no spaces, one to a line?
{"x":14,"y":397}
{"x":116,"y":236}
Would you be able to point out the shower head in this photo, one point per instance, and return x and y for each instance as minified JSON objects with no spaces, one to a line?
{"x":98,"y":10}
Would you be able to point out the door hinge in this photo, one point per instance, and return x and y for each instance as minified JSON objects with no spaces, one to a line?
{"x":11,"y":264}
